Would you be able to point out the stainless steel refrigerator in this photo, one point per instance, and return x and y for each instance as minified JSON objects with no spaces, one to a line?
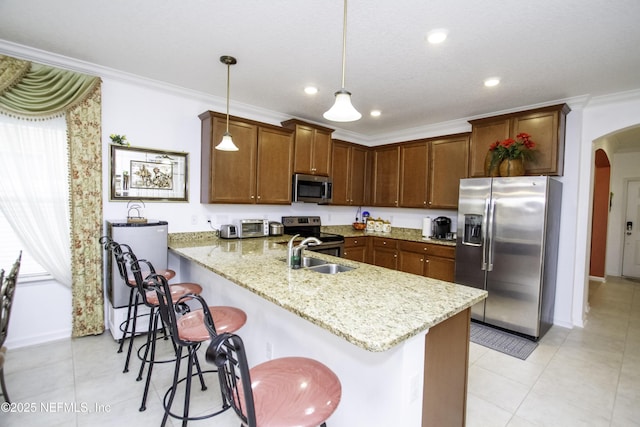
{"x":507,"y":243}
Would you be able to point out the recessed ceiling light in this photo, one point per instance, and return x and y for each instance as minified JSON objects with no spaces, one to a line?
{"x":310,"y":90}
{"x":436,"y":36}
{"x":375,"y":113}
{"x":493,"y":81}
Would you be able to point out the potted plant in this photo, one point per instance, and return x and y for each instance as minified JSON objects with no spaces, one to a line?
{"x":508,"y":156}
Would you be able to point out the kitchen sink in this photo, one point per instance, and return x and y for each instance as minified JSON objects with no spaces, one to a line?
{"x":330,"y":268}
{"x":308,"y":261}
{"x":321,"y":266}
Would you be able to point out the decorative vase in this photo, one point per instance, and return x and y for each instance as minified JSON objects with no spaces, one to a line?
{"x":512,"y":167}
{"x":488,"y":169}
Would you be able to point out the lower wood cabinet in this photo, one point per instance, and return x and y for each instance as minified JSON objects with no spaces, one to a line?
{"x":384,"y":253}
{"x":355,"y":248}
{"x":424,"y":259}
{"x":429,"y":260}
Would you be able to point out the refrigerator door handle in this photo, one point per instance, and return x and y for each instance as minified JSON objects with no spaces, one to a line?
{"x":485,"y":235}
{"x":492,"y":212}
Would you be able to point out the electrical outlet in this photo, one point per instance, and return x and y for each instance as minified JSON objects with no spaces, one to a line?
{"x":269,"y":351}
{"x":194,"y":219}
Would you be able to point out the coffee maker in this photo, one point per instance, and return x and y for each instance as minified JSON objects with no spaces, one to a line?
{"x":441,"y":227}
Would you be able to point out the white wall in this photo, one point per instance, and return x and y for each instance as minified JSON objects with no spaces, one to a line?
{"x":624,"y":166}
{"x":41,"y":312}
{"x":603,"y":116}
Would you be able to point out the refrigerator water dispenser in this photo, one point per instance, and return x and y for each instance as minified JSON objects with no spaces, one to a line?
{"x":472,"y":229}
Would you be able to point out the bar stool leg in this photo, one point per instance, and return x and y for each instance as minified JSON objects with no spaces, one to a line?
{"x":151,"y":344}
{"x":133,"y":330}
{"x":176,"y":376}
{"x":126,"y":324}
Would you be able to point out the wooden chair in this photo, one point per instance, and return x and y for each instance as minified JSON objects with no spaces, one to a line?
{"x":6,"y":300}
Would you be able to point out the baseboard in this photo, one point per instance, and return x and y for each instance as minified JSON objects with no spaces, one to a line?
{"x":598,"y":279}
{"x":37,"y":339}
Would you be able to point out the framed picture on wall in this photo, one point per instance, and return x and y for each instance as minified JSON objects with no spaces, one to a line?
{"x":149,"y":174}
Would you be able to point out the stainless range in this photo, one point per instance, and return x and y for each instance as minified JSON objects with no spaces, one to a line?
{"x":309,"y":226}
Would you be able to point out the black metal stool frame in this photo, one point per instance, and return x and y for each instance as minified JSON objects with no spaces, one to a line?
{"x":168,"y":311}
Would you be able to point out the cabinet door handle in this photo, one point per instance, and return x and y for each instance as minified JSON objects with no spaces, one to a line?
{"x":421,"y":259}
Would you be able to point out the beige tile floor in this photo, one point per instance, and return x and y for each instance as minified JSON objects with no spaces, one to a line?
{"x":579,"y":377}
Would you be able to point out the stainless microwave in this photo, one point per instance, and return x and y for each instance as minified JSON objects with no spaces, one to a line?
{"x":311,"y":189}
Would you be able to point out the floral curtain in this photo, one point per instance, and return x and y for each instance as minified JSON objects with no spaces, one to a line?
{"x":36,"y":92}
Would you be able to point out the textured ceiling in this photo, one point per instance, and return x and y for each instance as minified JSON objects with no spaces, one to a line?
{"x":543,"y":50}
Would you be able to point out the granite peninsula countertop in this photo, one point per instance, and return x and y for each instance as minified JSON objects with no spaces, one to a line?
{"x":372,"y":307}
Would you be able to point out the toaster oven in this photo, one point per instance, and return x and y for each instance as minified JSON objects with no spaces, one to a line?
{"x":245,"y":228}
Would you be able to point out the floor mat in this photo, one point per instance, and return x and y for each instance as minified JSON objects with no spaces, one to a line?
{"x":502,"y":341}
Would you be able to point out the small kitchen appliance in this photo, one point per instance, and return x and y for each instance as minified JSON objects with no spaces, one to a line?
{"x":311,"y":189}
{"x":245,"y":228}
{"x":276,"y":228}
{"x":441,"y":227}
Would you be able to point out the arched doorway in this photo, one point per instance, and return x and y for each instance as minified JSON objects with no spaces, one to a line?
{"x":600,"y":215}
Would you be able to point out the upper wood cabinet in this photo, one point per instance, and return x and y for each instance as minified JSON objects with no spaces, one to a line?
{"x":386,"y":175}
{"x":348,"y":173}
{"x":260,"y":172}
{"x":414,"y":162}
{"x":275,"y":167}
{"x":312,"y":147}
{"x":448,"y":164}
{"x":545,"y":125}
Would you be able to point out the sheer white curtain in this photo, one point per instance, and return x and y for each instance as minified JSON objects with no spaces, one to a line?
{"x":34,"y":190}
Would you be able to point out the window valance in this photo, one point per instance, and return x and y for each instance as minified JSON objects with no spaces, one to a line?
{"x":39,"y":91}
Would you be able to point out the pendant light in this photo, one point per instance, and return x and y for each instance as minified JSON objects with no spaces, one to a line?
{"x":227,"y":142}
{"x":342,"y":110}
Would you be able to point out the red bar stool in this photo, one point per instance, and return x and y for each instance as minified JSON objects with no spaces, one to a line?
{"x":289,"y":391}
{"x":118,"y":251}
{"x":150,"y":299}
{"x":189,"y":331}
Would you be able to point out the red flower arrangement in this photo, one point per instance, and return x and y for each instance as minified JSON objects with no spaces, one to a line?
{"x":519,"y":148}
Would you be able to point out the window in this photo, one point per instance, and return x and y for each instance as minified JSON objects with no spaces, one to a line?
{"x":34,"y":196}
{"x":11,"y":247}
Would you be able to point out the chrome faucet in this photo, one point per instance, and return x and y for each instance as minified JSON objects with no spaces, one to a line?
{"x":295,"y":253}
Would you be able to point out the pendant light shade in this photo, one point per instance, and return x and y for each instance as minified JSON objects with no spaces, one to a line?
{"x":227,"y":142}
{"x":343,"y":110}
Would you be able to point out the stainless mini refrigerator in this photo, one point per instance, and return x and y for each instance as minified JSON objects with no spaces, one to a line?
{"x":147,"y":241}
{"x":507,"y":244}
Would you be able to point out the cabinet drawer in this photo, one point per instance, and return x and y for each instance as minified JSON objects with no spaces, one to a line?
{"x":385,"y":243}
{"x":352,"y":242}
{"x":429,"y":249}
